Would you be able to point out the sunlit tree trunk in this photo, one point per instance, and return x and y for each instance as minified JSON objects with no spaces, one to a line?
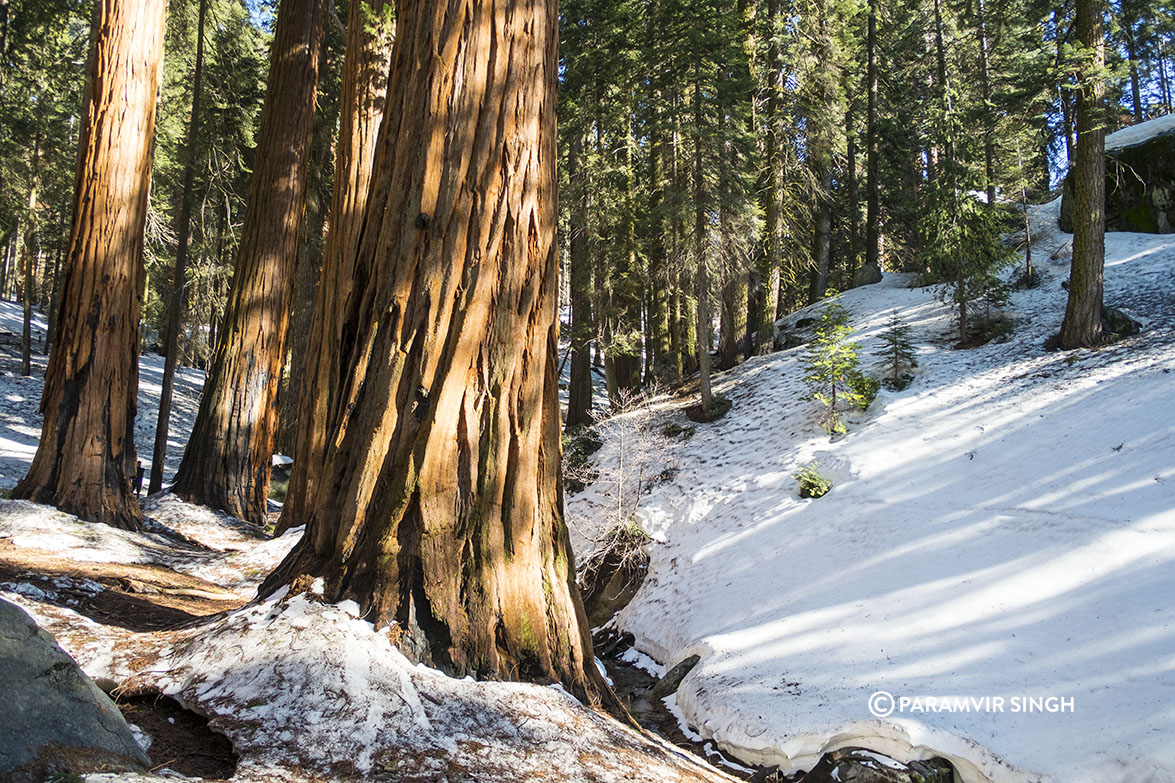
{"x":370,"y":32}
{"x":86,"y":455}
{"x":226,"y":464}
{"x":440,"y":505}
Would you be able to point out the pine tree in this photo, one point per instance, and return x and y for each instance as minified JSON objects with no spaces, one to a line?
{"x":831,"y":363}
{"x":897,"y":353}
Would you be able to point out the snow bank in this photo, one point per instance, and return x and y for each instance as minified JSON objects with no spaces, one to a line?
{"x":1143,"y":131}
{"x":299,"y":685}
{"x":1005,"y":527}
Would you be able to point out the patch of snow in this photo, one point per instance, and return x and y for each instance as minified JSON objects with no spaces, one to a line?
{"x":1143,"y":131}
{"x":141,"y":737}
{"x":1003,"y":527}
{"x":638,"y":659}
{"x":296,"y":684}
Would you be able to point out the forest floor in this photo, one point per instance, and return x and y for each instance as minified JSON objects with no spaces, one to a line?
{"x":1002,"y":528}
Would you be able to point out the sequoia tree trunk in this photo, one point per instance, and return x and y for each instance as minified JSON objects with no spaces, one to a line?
{"x":440,"y":506}
{"x":370,"y":32}
{"x":227,"y":461}
{"x":86,"y":455}
{"x":1083,"y":313}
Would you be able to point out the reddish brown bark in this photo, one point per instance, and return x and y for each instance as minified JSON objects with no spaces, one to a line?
{"x":440,"y":505}
{"x":370,"y":32}
{"x":86,"y":455}
{"x":227,"y":461}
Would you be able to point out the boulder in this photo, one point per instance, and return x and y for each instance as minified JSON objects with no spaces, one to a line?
{"x":1120,"y":322}
{"x":672,"y":679}
{"x":55,"y":719}
{"x":867,"y":275}
{"x":858,"y":765}
{"x":1140,"y":180}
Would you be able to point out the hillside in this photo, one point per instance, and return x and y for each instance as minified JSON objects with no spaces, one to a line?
{"x":1005,"y":527}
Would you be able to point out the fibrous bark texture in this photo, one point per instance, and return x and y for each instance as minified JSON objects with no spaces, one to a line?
{"x":370,"y":32}
{"x":86,"y":456}
{"x":439,"y":507}
{"x":227,"y":461}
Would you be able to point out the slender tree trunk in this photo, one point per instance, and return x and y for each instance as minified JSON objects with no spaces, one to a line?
{"x":579,"y":398}
{"x":989,"y":131}
{"x":86,"y":455}
{"x":227,"y":461}
{"x":54,"y":297}
{"x":440,"y":505}
{"x":1135,"y":91}
{"x":1083,"y":314}
{"x":851,"y":185}
{"x":872,"y":185}
{"x":26,"y":335}
{"x":177,"y":294}
{"x":705,"y":324}
{"x":367,"y":60}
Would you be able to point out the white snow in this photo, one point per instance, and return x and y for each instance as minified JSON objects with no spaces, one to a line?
{"x":20,"y":398}
{"x":1143,"y":131}
{"x":1005,"y":527}
{"x":296,"y":684}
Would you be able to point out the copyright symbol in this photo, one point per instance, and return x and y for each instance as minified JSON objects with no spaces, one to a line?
{"x":881,"y":704}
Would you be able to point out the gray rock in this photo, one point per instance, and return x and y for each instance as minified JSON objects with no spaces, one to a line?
{"x":672,"y":679}
{"x":867,"y":275}
{"x":1116,"y":321}
{"x":55,"y":719}
{"x":1140,"y":188}
{"x":858,"y":765}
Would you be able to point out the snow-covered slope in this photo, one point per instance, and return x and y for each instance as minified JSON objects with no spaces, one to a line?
{"x":1003,"y":528}
{"x":20,"y":399}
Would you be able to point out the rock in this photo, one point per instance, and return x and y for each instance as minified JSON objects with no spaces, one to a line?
{"x":858,"y":765}
{"x":1140,"y":183}
{"x":804,"y":323}
{"x":55,"y":719}
{"x":1117,"y":321}
{"x":867,"y":275}
{"x":672,"y":679}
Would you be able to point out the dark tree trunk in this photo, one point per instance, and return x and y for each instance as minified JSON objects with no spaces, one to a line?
{"x":872,"y":171}
{"x":26,"y":335}
{"x":989,"y":131}
{"x":366,"y":62}
{"x":227,"y":461}
{"x":579,"y":395}
{"x":705,"y":324}
{"x":86,"y":456}
{"x":439,"y":506}
{"x":1083,"y":314}
{"x":177,"y":294}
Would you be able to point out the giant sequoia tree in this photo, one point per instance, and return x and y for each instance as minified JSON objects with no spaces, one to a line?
{"x":87,"y":451}
{"x":370,"y":30}
{"x":226,"y":464}
{"x":439,"y":506}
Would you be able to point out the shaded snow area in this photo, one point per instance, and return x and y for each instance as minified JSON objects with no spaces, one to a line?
{"x":1143,"y":131}
{"x":1003,"y":528}
{"x":20,"y":400}
{"x":180,"y":536}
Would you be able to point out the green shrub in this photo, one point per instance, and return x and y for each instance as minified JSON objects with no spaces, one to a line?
{"x":812,"y":483}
